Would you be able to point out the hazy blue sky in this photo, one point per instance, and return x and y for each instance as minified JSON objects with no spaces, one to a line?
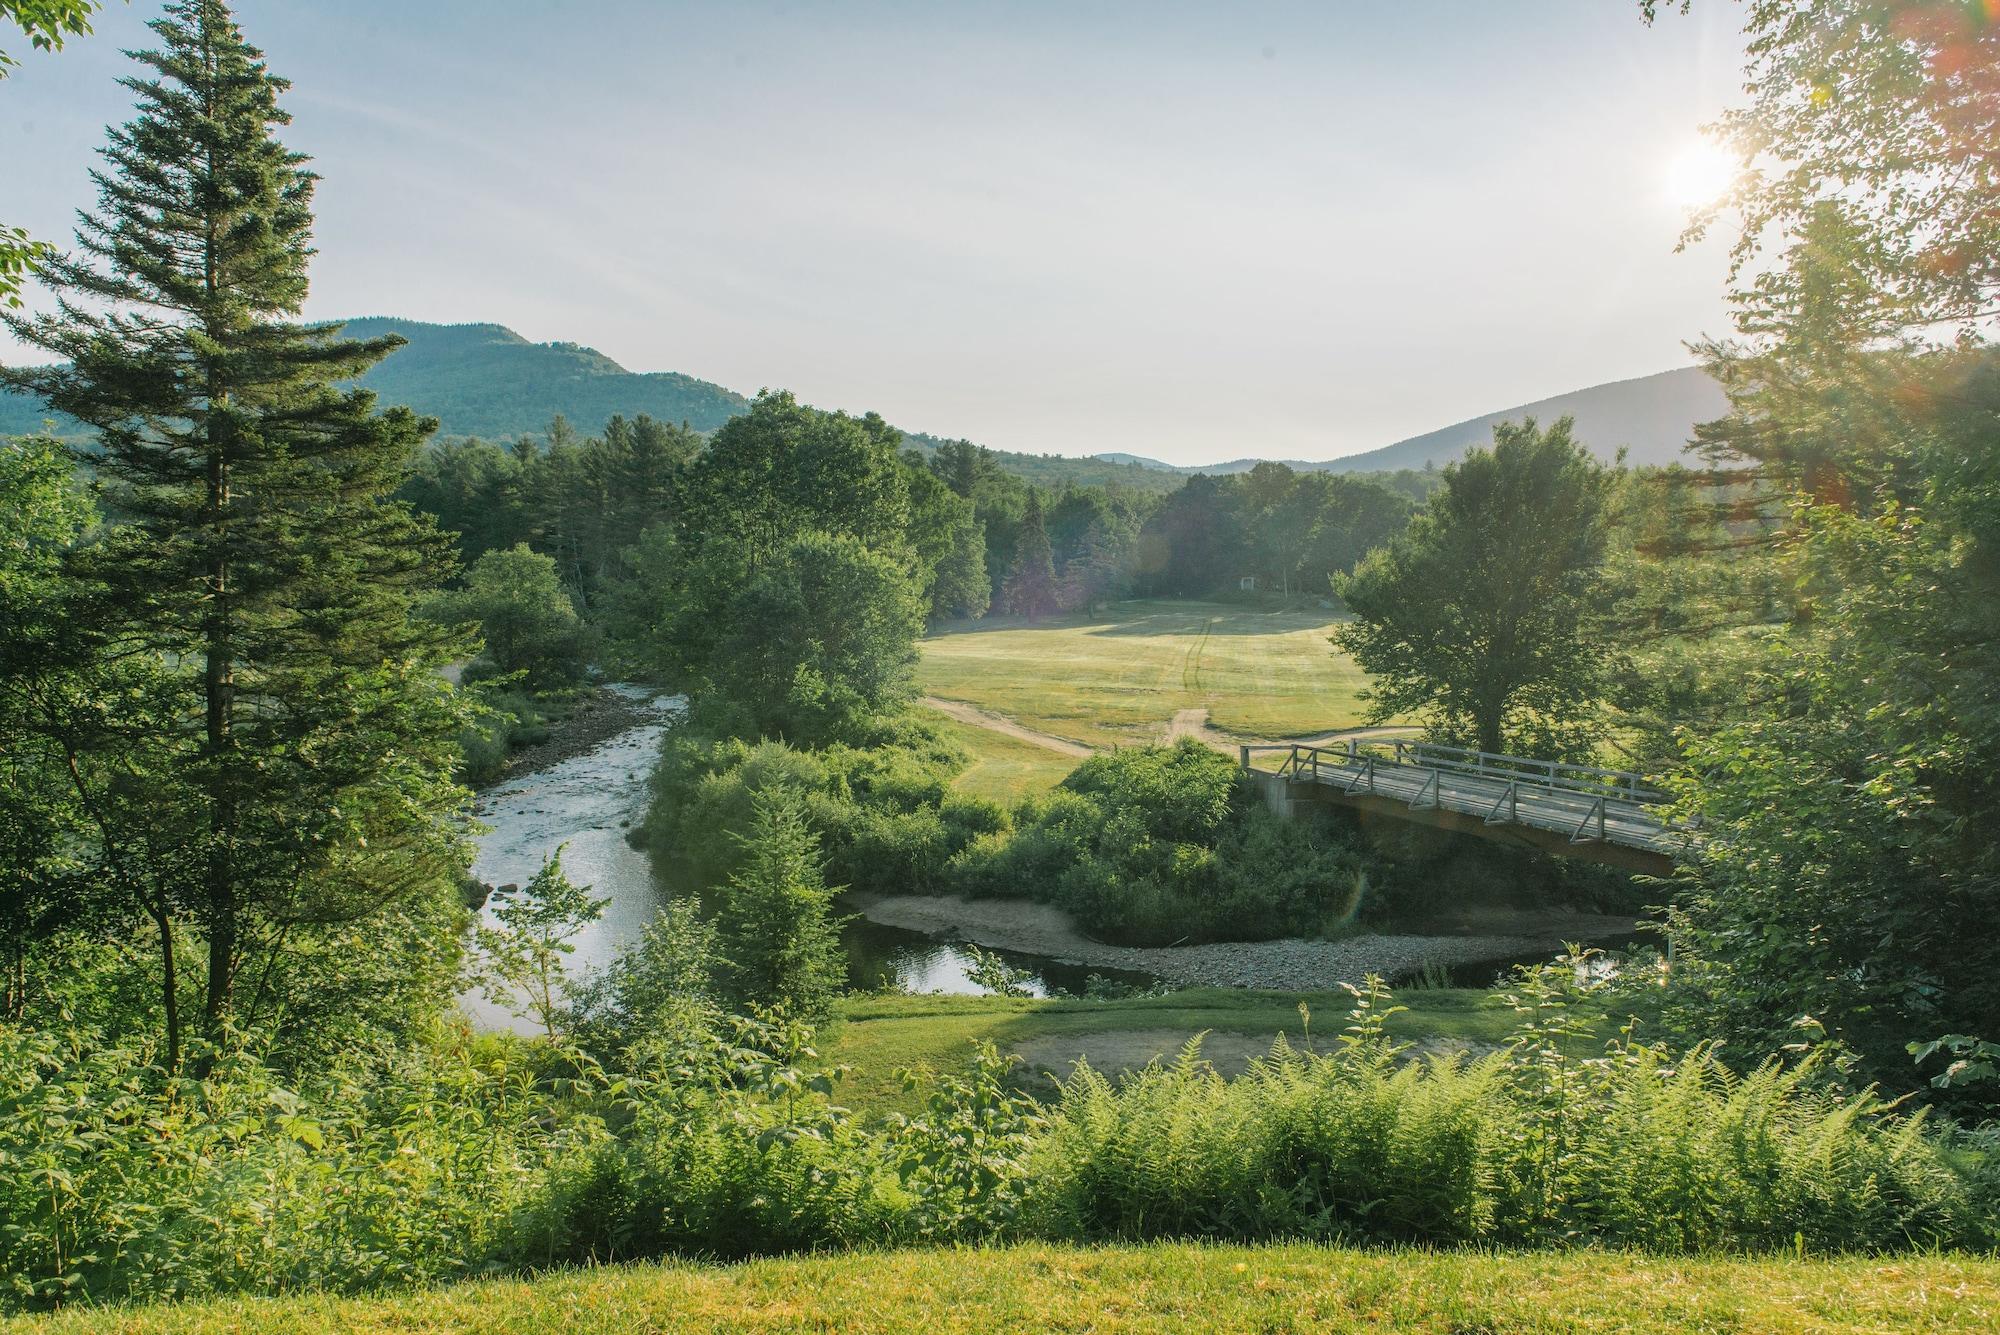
{"x":1193,"y":232}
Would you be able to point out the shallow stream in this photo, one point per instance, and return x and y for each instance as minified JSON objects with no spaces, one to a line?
{"x":587,"y":804}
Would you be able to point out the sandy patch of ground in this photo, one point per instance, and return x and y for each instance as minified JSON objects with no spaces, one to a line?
{"x":1291,"y":964}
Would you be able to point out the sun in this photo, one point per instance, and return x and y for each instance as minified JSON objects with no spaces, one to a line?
{"x":1698,"y":174}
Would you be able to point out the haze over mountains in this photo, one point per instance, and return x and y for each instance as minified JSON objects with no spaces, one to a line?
{"x":487,"y":380}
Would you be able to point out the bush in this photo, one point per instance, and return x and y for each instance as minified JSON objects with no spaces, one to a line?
{"x":720,"y":1137}
{"x":730,"y":1146}
{"x":1530,"y":1146}
{"x":1156,"y":845}
{"x":118,"y":1181}
{"x":884,"y":814}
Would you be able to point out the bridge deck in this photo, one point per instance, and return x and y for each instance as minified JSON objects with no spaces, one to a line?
{"x":1585,"y":803}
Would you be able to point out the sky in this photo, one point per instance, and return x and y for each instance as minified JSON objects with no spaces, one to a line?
{"x":1193,"y":232}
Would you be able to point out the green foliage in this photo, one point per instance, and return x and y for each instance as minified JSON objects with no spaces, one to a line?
{"x":885,"y":815}
{"x":524,"y":617}
{"x":1292,"y":531}
{"x":731,"y":1146}
{"x":1482,"y":615}
{"x":47,"y":24}
{"x":720,"y":1137}
{"x":820,"y":641}
{"x":285,"y":767}
{"x":1846,"y":873}
{"x":1882,"y":109}
{"x":1157,"y":845}
{"x":963,"y":1158}
{"x":1974,"y":1060}
{"x":787,"y":595}
{"x":1031,"y":581}
{"x":521,"y":966}
{"x":120,"y":1181}
{"x":993,"y":974}
{"x":775,"y":926}
{"x":665,"y":982}
{"x":1635,"y":1149}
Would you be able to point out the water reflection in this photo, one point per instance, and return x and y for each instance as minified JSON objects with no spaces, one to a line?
{"x":879,"y":956}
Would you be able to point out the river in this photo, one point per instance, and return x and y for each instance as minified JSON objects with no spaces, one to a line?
{"x":587,"y":804}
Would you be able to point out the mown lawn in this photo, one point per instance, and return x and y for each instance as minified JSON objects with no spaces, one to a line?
{"x":1119,"y":677}
{"x":879,"y":1036}
{"x":1171,"y":1288}
{"x":1003,"y":769}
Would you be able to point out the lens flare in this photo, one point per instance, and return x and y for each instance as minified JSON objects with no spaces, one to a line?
{"x":1698,"y":175}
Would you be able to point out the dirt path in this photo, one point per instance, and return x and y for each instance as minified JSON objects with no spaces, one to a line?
{"x":1000,"y":723}
{"x":1194,"y":723}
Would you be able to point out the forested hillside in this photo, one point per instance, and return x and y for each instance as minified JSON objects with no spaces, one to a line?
{"x":486,"y":380}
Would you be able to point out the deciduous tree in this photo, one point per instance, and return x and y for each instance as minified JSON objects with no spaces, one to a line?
{"x":1480,"y":616}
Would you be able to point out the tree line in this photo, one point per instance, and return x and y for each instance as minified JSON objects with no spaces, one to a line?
{"x":984,"y":537}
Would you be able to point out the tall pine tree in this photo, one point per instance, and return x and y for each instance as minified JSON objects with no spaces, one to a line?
{"x":1031,"y":586}
{"x":304,"y":780}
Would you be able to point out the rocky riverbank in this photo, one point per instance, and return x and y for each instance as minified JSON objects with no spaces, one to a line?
{"x":1288,"y":965}
{"x":600,"y":713}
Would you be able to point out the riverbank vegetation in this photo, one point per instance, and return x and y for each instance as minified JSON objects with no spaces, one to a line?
{"x":233,"y":832}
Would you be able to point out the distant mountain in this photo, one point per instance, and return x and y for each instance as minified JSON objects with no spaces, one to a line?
{"x":1652,"y":416}
{"x":486,"y":380}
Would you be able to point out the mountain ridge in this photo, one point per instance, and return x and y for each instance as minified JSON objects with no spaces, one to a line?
{"x":1651,"y":416}
{"x":484,"y":379}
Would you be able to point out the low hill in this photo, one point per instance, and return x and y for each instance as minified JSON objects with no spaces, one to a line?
{"x":487,"y":380}
{"x":1652,"y":417}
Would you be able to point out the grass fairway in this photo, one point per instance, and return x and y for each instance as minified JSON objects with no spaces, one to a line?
{"x":1118,"y":678}
{"x":879,"y":1036}
{"x":1003,"y":768}
{"x":1176,"y":1288}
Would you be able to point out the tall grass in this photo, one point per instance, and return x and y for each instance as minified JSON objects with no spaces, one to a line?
{"x":724,"y":1137}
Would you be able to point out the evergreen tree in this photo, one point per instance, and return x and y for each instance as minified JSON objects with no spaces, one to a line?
{"x":303,"y":779}
{"x":775,"y":924}
{"x":1031,"y":586}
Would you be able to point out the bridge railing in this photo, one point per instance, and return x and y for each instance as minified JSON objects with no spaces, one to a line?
{"x":1550,"y":776}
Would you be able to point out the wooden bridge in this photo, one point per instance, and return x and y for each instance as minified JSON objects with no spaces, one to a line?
{"x":1599,"y":815}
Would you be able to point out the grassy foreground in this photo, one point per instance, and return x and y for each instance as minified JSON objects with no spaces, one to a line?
{"x":1167,"y":1288}
{"x":1119,"y":677}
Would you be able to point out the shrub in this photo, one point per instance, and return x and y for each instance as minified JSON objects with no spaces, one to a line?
{"x":1156,"y":845}
{"x":118,"y":1181}
{"x":1532,"y":1146}
{"x":884,"y":814}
